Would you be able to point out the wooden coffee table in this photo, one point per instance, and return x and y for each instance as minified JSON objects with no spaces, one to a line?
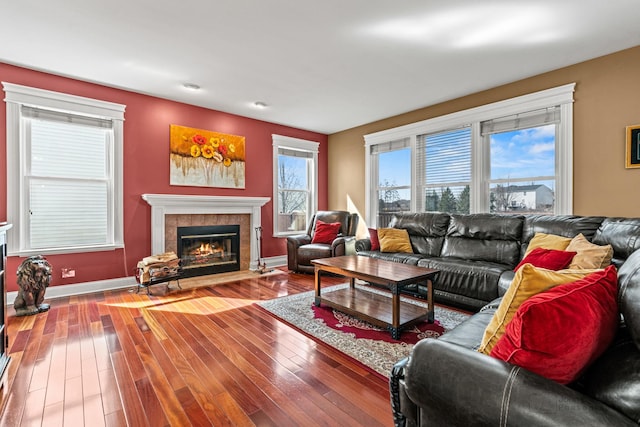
{"x":380,"y":310}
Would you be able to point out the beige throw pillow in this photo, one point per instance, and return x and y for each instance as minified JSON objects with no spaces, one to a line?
{"x":528,"y":281}
{"x":589,"y":255}
{"x":394,"y":240}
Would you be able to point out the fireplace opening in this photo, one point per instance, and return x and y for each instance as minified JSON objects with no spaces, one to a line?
{"x":209,"y":249}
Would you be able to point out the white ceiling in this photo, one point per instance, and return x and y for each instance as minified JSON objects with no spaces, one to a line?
{"x":324,"y":65}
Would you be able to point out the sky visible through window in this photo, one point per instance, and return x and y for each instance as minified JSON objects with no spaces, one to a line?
{"x":523,"y":153}
{"x":395,"y":167}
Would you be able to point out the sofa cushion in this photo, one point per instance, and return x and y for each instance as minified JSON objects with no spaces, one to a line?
{"x":426,"y":230}
{"x":468,"y":334}
{"x":394,"y":240}
{"x":527,"y":282}
{"x":614,"y":377}
{"x":477,"y":281}
{"x":325,"y":232}
{"x":561,"y":225}
{"x":550,"y":259}
{"x":411,"y":259}
{"x":623,"y":234}
{"x":484,"y":237}
{"x":589,"y":255}
{"x":548,"y":241}
{"x":559,"y":332}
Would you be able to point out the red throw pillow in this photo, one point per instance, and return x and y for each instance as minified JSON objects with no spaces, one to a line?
{"x":551,"y":259}
{"x":373,"y":237}
{"x":326,"y":232}
{"x":559,"y":332}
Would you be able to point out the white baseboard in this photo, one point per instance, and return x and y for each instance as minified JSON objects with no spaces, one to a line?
{"x":119,"y":283}
{"x":276,"y":261}
{"x":81,"y":288}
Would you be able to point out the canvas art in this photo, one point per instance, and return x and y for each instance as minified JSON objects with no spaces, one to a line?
{"x":204,"y":158}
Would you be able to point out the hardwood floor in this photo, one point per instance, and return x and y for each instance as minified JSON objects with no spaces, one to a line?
{"x":200,"y":357}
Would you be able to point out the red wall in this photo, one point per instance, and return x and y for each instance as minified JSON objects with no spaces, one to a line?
{"x":146,"y":169}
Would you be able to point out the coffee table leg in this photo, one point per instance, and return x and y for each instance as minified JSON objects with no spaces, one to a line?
{"x":317,"y":299}
{"x":395,"y":312}
{"x":430,"y":313}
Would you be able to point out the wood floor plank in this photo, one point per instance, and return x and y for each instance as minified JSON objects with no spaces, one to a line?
{"x":34,"y":407}
{"x":57,"y":373}
{"x":200,"y":356}
{"x":73,"y":402}
{"x":131,"y":402}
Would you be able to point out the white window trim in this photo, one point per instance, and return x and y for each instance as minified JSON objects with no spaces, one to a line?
{"x":280,"y":141}
{"x":15,"y":97}
{"x":561,"y":95}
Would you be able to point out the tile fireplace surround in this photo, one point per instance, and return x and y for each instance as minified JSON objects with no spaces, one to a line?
{"x":167,"y":209}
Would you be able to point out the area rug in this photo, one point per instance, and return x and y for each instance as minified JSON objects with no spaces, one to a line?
{"x":368,"y":345}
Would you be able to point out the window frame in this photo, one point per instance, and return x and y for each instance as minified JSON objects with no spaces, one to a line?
{"x":480,"y":158}
{"x":17,"y":161}
{"x":376,"y":152}
{"x":286,"y":142}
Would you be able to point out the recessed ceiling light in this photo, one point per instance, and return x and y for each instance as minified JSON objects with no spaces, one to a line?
{"x":191,"y":86}
{"x":260,"y":104}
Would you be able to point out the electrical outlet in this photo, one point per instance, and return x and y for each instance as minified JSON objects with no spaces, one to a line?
{"x":68,"y":272}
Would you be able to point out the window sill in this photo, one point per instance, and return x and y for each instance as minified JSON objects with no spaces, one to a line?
{"x":70,"y":250}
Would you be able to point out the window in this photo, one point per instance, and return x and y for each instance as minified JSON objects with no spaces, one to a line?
{"x":295,"y":184}
{"x":509,"y":156}
{"x":522,"y":153}
{"x":64,"y":172}
{"x":392,"y":166}
{"x":444,"y":171}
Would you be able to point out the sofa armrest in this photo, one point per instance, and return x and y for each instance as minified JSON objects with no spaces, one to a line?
{"x":404,"y":410}
{"x":363,"y":245}
{"x":293,"y":243}
{"x":338,"y":246}
{"x":453,"y":385}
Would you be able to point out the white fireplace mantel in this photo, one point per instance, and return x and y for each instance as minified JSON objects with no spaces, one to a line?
{"x":170,"y":204}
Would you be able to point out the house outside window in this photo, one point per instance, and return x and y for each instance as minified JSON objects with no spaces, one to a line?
{"x":64,"y":169}
{"x":511,"y":156}
{"x":295,"y":184}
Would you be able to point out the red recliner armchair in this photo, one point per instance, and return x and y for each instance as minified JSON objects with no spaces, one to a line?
{"x":301,"y":249}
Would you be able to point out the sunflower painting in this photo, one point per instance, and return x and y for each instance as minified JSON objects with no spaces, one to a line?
{"x":203,"y":158}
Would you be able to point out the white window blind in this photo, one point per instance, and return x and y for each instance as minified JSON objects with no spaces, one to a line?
{"x":386,"y":147}
{"x":444,"y":170}
{"x":68,"y":179}
{"x":526,"y":120}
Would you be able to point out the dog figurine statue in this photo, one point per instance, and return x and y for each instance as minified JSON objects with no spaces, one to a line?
{"x":34,"y":275}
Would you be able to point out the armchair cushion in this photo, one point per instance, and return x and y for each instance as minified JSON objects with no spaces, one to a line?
{"x":559,"y":332}
{"x":326,"y":233}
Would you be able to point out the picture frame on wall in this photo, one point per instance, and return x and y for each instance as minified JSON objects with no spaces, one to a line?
{"x":632,"y":152}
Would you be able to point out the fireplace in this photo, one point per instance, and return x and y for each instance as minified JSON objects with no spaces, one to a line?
{"x":169,"y":211}
{"x":208,"y":249}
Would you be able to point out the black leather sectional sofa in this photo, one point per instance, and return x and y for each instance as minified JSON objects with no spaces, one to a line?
{"x":446,"y":381}
{"x":476,"y":254}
